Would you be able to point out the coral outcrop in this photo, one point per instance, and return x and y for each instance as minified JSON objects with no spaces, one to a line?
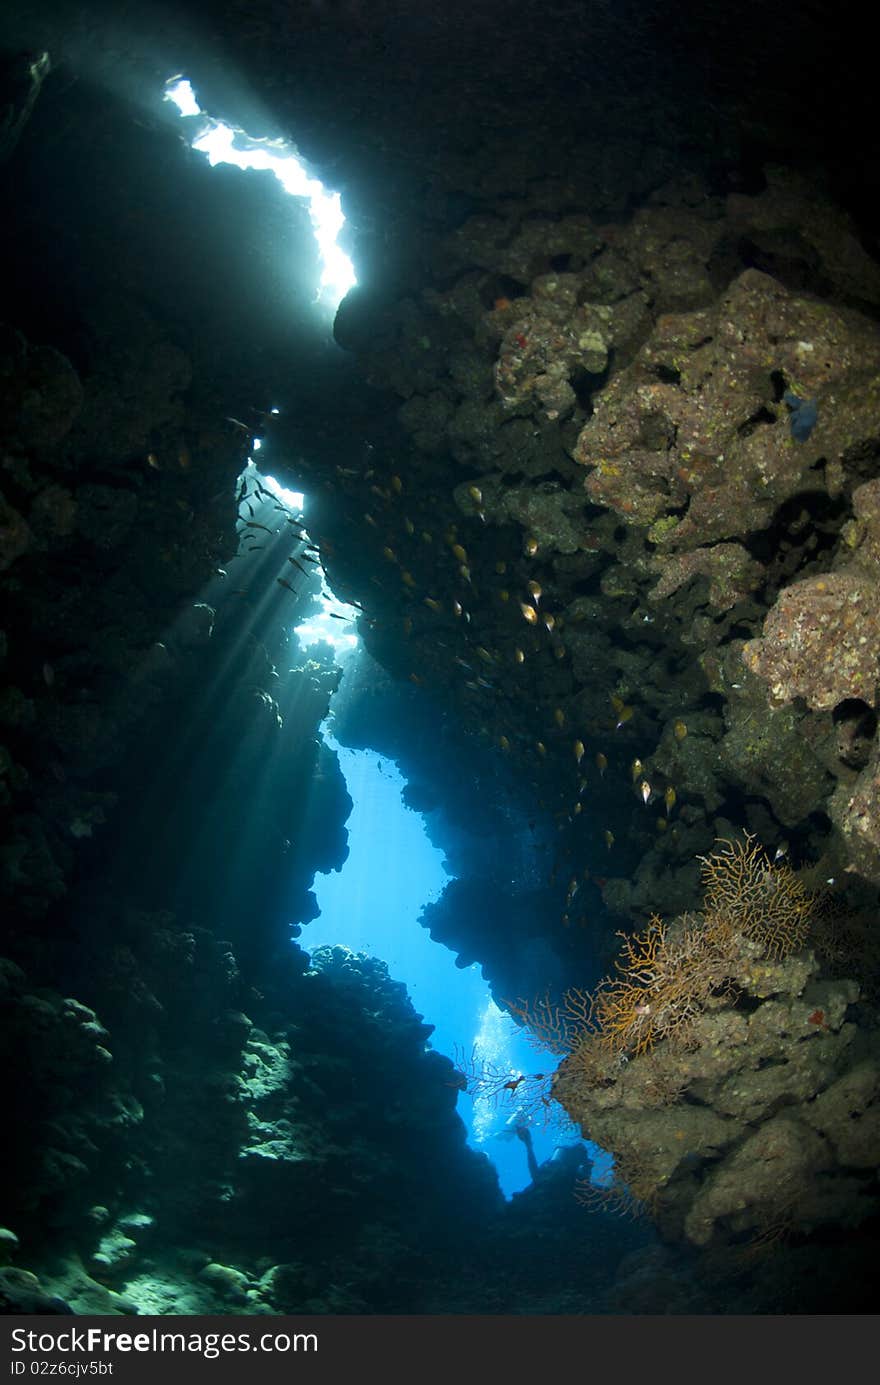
{"x":714,"y":1061}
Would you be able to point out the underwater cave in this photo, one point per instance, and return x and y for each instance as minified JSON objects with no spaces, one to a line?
{"x":439,"y":758}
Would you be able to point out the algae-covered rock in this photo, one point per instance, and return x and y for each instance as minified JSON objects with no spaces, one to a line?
{"x":115,"y":1253}
{"x":226,"y":1281}
{"x":767,"y":750}
{"x":821,"y":640}
{"x":758,"y":1186}
{"x":8,"y":1245}
{"x":695,"y":424}
{"x":848,"y":1114}
{"x":855,"y":811}
{"x":22,"y":1292}
{"x":731,"y":572}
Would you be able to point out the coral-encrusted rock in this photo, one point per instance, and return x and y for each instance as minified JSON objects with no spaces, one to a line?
{"x":758,"y":1183}
{"x":549,"y":338}
{"x":821,"y":639}
{"x":862,"y":536}
{"x":751,"y":1075}
{"x":789,"y":224}
{"x":820,"y":642}
{"x":767,"y":752}
{"x":672,"y":247}
{"x":732,"y":573}
{"x":486,"y":242}
{"x":550,"y":515}
{"x":856,"y":813}
{"x":695,"y":422}
{"x":848,"y":1114}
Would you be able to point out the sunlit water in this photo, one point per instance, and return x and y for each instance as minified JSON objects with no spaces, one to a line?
{"x":224,"y":144}
{"x":373,"y":904}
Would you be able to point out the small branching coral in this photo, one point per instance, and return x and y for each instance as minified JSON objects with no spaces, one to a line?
{"x":614,"y":1197}
{"x":627,"y":1192}
{"x":847,"y":944}
{"x":555,"y":1027}
{"x":664,"y":978}
{"x":745,"y":892}
{"x":666,"y":974}
{"x":528,"y":1092}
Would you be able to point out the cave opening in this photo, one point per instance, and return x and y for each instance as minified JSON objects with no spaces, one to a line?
{"x":322,"y":754}
{"x":225,"y":144}
{"x":370,"y":905}
{"x":373,"y":904}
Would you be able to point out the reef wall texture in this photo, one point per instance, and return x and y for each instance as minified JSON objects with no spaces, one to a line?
{"x":628,"y":451}
{"x":595,"y":447}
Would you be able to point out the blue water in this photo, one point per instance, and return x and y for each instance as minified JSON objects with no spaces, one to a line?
{"x":372,"y":905}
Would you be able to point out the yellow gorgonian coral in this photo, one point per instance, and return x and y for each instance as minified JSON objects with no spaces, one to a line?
{"x":665,"y":975}
{"x":749,"y":894}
